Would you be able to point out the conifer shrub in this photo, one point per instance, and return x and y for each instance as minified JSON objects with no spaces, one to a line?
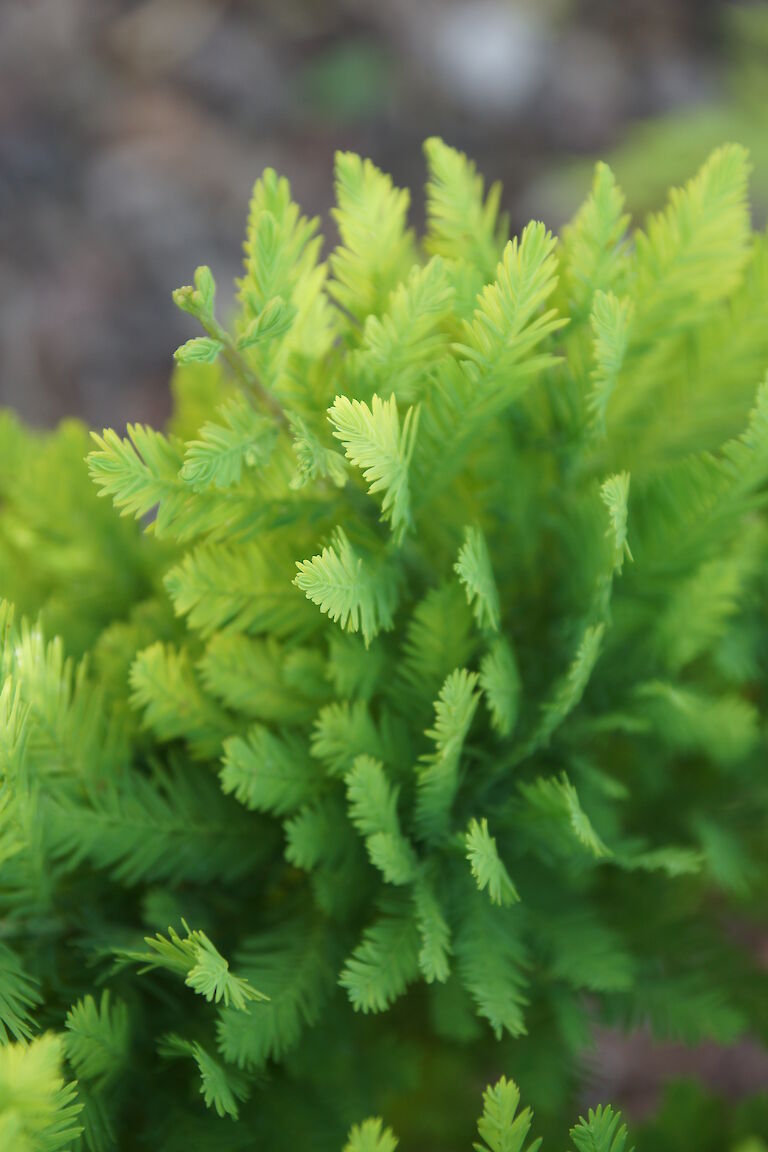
{"x":416,"y":726}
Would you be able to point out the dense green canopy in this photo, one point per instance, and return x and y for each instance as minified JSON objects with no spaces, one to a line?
{"x":428,"y":693}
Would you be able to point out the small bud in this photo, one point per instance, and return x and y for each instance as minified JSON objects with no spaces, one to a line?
{"x":206,"y":286}
{"x":188,"y":300}
{"x":201,"y":350}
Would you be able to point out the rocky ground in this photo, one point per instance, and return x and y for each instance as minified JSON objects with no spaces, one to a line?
{"x":130,"y":135}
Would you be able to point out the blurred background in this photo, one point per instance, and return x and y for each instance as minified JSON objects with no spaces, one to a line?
{"x":131,"y":134}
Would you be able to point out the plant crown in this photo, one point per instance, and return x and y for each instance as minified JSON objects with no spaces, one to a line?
{"x":416,"y":726}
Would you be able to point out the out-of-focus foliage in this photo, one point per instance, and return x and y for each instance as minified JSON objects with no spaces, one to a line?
{"x":661,"y":151}
{"x":505,"y":1127}
{"x":689,"y":1112}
